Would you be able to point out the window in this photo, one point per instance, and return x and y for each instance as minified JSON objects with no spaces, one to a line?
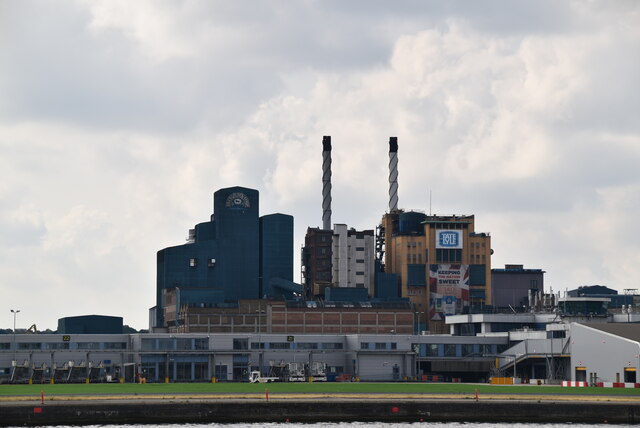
{"x":449,"y":350}
{"x":467,"y":349}
{"x":279,"y":345}
{"x":485,"y":349}
{"x":29,"y":345}
{"x":88,"y":345}
{"x":54,"y":345}
{"x":115,"y":345}
{"x":5,"y":345}
{"x":394,"y":345}
{"x":359,"y":273}
{"x":359,"y":248}
{"x":380,"y":345}
{"x":241,"y":344}
{"x":257,"y":345}
{"x":192,"y":262}
{"x":332,"y":346}
{"x":183,"y":344}
{"x":148,"y":344}
{"x":211,"y":262}
{"x":432,"y":350}
{"x":201,"y":344}
{"x":364,"y":345}
{"x":448,"y":255}
{"x":533,"y":284}
{"x":359,"y":260}
{"x":165,"y":344}
{"x":307,"y":346}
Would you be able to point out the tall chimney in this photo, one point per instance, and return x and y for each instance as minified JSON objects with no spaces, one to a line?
{"x":393,"y":174}
{"x":326,"y":182}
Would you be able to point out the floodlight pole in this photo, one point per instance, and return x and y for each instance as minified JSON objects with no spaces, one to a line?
{"x":15,"y":313}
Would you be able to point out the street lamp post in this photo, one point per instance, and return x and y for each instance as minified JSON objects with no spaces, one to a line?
{"x":15,"y":313}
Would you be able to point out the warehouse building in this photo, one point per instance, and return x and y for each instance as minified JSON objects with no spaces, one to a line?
{"x":605,"y":353}
{"x":161,"y":357}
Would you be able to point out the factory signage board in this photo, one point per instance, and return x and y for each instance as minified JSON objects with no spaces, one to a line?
{"x":449,"y":289}
{"x":450,"y":239}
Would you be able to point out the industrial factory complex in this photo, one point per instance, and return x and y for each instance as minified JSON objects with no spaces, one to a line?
{"x":413,"y":298}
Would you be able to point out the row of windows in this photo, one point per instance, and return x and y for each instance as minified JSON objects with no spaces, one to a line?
{"x":193,"y":262}
{"x":448,"y":255}
{"x":45,"y":346}
{"x":477,"y":258}
{"x":175,"y":344}
{"x":423,"y":350}
{"x":449,"y":225}
{"x":414,"y":259}
{"x":458,"y":350}
{"x":378,"y":345}
{"x":294,"y":345}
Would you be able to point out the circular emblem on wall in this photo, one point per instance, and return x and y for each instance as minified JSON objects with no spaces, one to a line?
{"x":237,"y":200}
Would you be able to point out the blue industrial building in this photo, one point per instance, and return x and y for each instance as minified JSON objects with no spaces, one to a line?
{"x":90,"y":324}
{"x":236,"y":255}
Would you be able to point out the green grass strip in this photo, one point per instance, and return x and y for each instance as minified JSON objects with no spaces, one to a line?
{"x":301,"y":388}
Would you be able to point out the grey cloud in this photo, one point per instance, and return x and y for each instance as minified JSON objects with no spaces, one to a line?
{"x":117,"y":133}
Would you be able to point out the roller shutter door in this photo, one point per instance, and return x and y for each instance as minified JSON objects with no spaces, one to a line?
{"x":379,"y":367}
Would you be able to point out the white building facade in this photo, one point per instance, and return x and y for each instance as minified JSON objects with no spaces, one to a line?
{"x":353,"y":255}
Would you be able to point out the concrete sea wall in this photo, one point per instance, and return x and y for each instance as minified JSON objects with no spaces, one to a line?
{"x":223,"y":411}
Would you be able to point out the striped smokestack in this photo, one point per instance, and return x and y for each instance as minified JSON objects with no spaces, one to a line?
{"x":326,"y":182}
{"x":393,"y":174}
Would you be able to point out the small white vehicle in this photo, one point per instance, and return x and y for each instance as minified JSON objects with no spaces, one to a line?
{"x":296,"y":372}
{"x":256,"y":377}
{"x":318,"y":371}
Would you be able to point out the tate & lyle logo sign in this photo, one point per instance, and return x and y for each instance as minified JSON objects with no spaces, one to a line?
{"x":449,"y":239}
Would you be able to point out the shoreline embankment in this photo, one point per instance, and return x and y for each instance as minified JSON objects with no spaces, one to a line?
{"x":103,"y":410}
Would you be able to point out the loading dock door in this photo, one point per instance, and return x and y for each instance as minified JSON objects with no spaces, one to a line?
{"x":630,"y":374}
{"x":380,"y":367}
{"x":581,"y":374}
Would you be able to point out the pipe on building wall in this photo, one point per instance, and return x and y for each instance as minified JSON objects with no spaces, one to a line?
{"x":326,"y":182}
{"x":393,"y":174}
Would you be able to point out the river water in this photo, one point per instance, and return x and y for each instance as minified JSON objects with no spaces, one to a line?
{"x":361,"y":425}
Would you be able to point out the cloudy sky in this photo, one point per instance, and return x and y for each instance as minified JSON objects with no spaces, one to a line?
{"x":119,"y":119}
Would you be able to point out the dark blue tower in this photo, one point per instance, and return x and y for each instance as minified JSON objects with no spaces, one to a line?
{"x":238,"y":235}
{"x":276,"y":252}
